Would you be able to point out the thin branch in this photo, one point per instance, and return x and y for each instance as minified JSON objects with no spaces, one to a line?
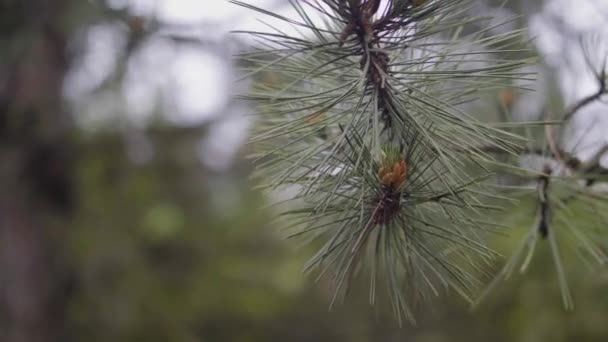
{"x":543,"y":200}
{"x":550,"y":141}
{"x":603,"y":90}
{"x":593,"y":167}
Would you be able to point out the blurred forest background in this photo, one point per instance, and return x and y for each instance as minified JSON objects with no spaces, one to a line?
{"x":126,"y":213}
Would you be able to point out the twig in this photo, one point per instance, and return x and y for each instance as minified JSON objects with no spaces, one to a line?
{"x":543,"y":200}
{"x":603,"y":90}
{"x":594,"y":167}
{"x":550,"y":141}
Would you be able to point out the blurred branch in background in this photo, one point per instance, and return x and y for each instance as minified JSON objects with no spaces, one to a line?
{"x":36,"y":170}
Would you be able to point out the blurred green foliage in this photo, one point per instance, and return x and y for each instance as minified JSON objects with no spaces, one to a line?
{"x":167,"y":251}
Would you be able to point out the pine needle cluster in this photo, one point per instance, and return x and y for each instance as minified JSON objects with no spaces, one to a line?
{"x":361,"y":109}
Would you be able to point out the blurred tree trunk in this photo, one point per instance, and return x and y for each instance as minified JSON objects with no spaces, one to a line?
{"x":35,"y":182}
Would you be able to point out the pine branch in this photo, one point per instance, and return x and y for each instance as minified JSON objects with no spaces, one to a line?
{"x":361,"y":119}
{"x":554,"y":210}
